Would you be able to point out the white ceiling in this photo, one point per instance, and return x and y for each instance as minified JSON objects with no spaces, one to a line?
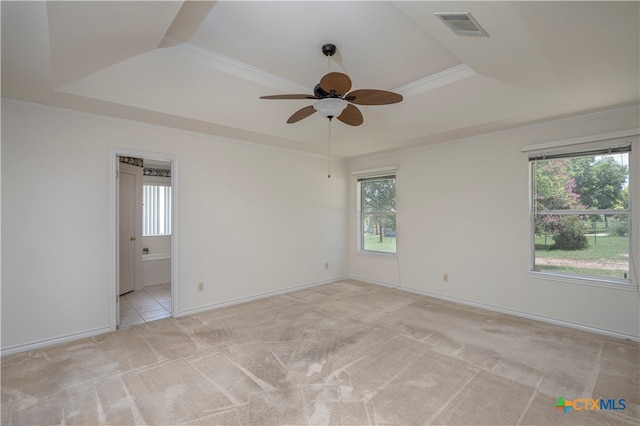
{"x":202,"y":66}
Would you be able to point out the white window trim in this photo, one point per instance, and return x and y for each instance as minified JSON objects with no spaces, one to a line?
{"x":368,"y":173}
{"x":583,"y":280}
{"x":583,"y":144}
{"x":608,"y":138}
{"x":380,"y":171}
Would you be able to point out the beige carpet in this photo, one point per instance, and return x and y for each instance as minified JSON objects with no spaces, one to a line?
{"x":345,"y":353}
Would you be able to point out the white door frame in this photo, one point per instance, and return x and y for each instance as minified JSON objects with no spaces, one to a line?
{"x":114,"y":153}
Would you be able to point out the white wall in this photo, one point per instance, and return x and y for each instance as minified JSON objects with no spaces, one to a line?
{"x":255,"y":219}
{"x":463,"y":210}
{"x":252,"y":219}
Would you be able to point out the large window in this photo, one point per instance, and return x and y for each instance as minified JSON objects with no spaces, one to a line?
{"x":581,"y":213}
{"x":377,"y":213}
{"x":156,"y":210}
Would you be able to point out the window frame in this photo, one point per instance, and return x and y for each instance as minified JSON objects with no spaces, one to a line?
{"x":569,"y":151}
{"x":371,"y":175}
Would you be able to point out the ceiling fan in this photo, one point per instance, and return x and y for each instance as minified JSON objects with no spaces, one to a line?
{"x":332,"y":99}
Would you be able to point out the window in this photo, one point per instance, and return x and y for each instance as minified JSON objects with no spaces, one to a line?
{"x":377,"y":213}
{"x":581,"y":213}
{"x":156,"y":210}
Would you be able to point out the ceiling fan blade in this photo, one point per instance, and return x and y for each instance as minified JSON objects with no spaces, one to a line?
{"x":336,"y":81}
{"x":301,"y":113}
{"x":351,"y":116}
{"x":288,"y":97}
{"x":372,"y":97}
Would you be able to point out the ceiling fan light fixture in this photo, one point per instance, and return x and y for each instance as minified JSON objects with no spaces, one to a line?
{"x":330,"y":107}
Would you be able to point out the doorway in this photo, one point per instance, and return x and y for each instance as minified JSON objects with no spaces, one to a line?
{"x":144,"y":267}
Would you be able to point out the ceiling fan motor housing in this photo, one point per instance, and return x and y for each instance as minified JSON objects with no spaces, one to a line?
{"x":321,"y":93}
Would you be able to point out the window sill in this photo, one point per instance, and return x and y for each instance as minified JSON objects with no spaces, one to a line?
{"x":597,"y":282}
{"x":376,"y":254}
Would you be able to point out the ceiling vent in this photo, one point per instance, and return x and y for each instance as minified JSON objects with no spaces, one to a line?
{"x":463,"y":24}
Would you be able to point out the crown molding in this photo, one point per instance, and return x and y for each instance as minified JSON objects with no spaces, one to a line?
{"x":265,"y":78}
{"x":431,"y":82}
{"x":240,"y":69}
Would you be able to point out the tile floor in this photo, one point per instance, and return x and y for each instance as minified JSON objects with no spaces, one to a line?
{"x":149,"y":304}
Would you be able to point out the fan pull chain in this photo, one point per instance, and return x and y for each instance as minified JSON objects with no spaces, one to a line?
{"x":329,"y":151}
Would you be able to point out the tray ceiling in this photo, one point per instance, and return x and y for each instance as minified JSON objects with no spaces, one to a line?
{"x":202,"y":66}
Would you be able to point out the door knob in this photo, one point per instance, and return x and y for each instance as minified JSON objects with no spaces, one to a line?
{"x":132,"y":239}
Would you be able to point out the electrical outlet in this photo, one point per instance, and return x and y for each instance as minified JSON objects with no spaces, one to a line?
{"x":445,"y":278}
{"x":200,"y":286}
{"x":326,"y":265}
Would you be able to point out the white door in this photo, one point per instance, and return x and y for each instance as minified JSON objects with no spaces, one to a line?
{"x":127,"y":232}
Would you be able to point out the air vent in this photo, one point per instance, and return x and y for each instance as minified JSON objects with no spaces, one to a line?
{"x":463,"y":24}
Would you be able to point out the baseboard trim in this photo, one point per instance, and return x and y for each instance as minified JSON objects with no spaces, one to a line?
{"x":54,"y":341}
{"x":501,"y":310}
{"x":94,"y":332}
{"x":258,"y":296}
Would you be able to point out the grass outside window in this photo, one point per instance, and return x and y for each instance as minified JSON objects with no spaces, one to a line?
{"x":606,"y":255}
{"x":372,"y":243}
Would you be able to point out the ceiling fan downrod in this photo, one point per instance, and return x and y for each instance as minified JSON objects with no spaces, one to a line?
{"x":329,"y":150}
{"x":329,"y":50}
